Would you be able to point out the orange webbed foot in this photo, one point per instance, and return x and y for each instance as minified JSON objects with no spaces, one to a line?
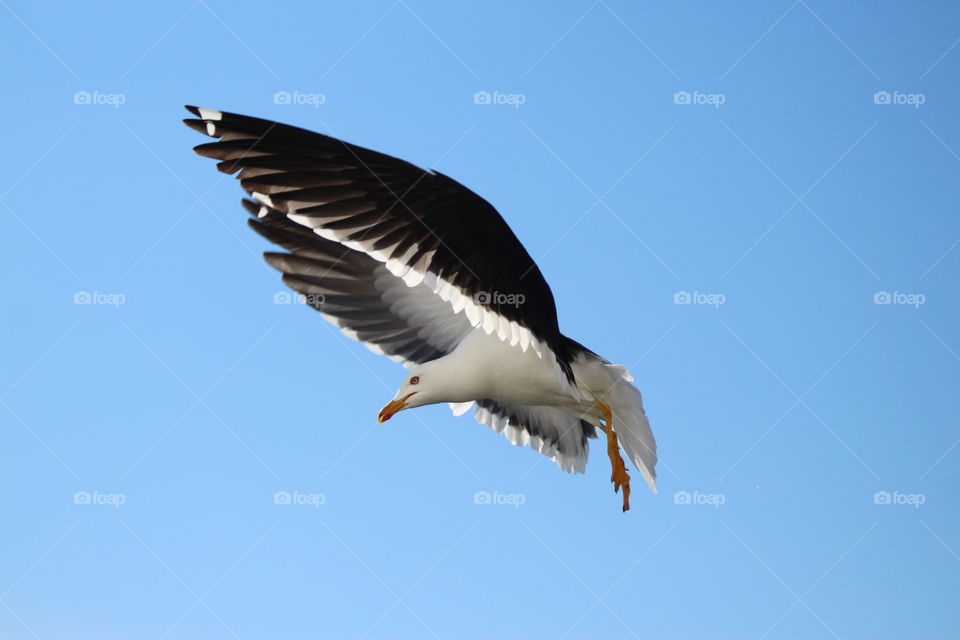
{"x":618,"y":474}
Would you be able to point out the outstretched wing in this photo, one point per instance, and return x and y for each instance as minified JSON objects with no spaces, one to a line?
{"x":553,"y":432}
{"x":424,"y":227}
{"x":357,"y":294}
{"x":408,"y":324}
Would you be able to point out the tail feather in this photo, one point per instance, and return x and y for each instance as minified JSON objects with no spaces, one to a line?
{"x":631,"y":425}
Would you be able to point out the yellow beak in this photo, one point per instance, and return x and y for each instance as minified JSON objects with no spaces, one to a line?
{"x":393,"y":407}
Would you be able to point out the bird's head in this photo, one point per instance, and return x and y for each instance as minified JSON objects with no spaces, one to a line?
{"x":418,"y":388}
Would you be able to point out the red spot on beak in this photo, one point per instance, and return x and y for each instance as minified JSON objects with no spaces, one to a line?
{"x":393,"y":407}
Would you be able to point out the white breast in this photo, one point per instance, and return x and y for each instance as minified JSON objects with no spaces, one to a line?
{"x":509,"y":374}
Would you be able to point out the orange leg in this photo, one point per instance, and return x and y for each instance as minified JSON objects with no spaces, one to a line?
{"x":618,"y":476}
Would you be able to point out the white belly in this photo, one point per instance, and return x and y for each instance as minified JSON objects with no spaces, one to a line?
{"x":510,"y":374}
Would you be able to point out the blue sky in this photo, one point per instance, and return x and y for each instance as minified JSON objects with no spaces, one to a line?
{"x":789,"y":169}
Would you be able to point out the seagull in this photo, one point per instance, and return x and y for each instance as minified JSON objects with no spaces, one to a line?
{"x":423,"y":270}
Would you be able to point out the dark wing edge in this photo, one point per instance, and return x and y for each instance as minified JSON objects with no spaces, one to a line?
{"x":356,"y":293}
{"x":422,"y":225}
{"x":553,"y":432}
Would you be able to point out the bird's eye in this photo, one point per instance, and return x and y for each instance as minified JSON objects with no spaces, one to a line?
{"x":414,"y":379}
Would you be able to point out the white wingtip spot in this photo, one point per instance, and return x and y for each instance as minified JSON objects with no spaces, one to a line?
{"x":210,"y":114}
{"x":262,"y":198}
{"x":211,"y":129}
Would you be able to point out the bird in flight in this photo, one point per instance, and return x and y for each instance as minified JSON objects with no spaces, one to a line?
{"x":426,"y":272}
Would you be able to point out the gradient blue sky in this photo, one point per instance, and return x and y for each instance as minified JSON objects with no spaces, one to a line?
{"x":185,"y":391}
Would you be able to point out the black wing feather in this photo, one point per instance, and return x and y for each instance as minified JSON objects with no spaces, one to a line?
{"x":391,"y":202}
